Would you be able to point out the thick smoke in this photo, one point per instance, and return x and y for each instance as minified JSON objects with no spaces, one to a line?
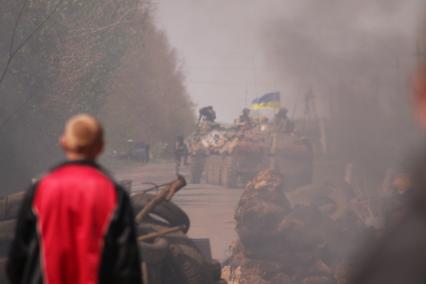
{"x":358,"y":58}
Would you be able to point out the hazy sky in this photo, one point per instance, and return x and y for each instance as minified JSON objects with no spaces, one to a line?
{"x":218,"y":42}
{"x":222,"y":42}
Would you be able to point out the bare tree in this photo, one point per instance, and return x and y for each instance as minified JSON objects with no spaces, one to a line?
{"x":14,"y":51}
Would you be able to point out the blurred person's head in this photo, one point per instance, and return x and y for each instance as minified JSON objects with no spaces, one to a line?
{"x":401,"y":183}
{"x":82,"y":138}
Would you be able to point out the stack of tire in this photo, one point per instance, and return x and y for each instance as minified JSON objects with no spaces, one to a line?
{"x":173,"y":258}
{"x":302,"y":236}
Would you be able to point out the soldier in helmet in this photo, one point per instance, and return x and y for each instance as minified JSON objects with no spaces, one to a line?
{"x":207,"y":114}
{"x":245,"y":121}
{"x":282,"y":122}
{"x":181,"y":153}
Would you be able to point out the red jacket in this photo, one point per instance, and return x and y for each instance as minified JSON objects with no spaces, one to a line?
{"x":75,"y":227}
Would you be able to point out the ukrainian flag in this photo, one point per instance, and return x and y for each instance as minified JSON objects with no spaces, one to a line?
{"x":269,"y":100}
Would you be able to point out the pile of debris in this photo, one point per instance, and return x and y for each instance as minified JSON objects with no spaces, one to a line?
{"x":285,"y":237}
{"x":168,"y":255}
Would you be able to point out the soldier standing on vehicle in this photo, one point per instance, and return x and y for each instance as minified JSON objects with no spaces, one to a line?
{"x":207,"y":114}
{"x":76,"y":225}
{"x":181,"y":153}
{"x":245,"y":121}
{"x":282,"y":122}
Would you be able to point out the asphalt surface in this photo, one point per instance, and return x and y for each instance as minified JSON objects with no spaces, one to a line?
{"x":210,"y":208}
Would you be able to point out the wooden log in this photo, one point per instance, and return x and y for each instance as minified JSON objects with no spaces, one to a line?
{"x":165,"y":194}
{"x":161,"y":233}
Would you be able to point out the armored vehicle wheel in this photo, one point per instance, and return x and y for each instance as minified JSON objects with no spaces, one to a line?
{"x":229,"y":173}
{"x":213,"y":169}
{"x":183,"y":264}
{"x":197,"y":167}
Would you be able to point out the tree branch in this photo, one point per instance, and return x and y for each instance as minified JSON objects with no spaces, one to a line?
{"x":18,"y":19}
{"x":12,"y":53}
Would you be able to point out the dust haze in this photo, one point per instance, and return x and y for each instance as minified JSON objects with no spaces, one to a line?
{"x":345,"y":72}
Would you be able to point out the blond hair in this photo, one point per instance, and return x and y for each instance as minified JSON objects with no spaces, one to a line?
{"x":83,"y":134}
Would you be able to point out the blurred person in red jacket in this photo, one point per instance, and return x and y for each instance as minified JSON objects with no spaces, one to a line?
{"x":76,"y":225}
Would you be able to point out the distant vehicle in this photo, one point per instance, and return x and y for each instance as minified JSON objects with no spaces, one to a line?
{"x":140,"y":152}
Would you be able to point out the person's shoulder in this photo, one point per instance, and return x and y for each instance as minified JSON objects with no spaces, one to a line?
{"x":122,"y":193}
{"x":124,"y":203}
{"x":86,"y":172}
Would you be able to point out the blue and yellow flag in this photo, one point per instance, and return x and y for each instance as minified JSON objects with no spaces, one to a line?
{"x":269,"y":100}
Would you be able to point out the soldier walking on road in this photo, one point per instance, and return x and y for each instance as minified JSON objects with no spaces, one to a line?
{"x":181,"y":153}
{"x":76,"y":225}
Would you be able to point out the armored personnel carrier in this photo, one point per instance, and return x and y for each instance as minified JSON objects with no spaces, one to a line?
{"x":230,"y":156}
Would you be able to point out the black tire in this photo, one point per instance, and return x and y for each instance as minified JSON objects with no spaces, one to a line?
{"x":167,"y":211}
{"x":192,"y":267}
{"x":184,"y":262}
{"x":215,"y":269}
{"x":154,"y":253}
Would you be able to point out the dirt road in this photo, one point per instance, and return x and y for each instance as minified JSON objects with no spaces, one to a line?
{"x":210,"y":208}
